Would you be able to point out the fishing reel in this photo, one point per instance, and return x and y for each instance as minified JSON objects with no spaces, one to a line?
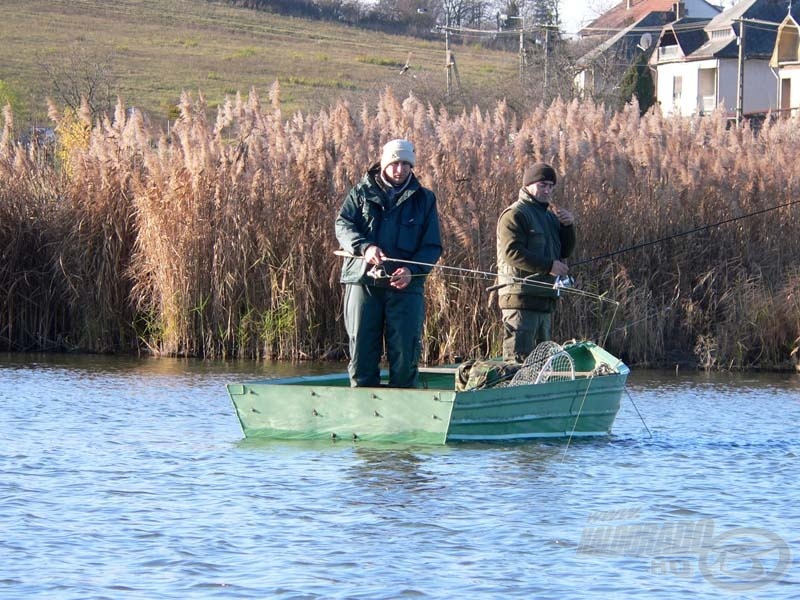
{"x":564,"y":281}
{"x":379,"y":276}
{"x":378,"y":272}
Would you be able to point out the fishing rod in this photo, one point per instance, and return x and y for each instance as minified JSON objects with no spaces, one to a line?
{"x":484,"y":274}
{"x":487,"y":274}
{"x":684,"y":233}
{"x":476,"y":274}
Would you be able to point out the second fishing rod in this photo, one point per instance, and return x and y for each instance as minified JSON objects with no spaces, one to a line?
{"x":562,"y":284}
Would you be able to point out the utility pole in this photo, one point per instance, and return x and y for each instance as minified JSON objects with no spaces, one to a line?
{"x":546,"y":56}
{"x":740,"y":94}
{"x":447,"y":58}
{"x":521,"y":47}
{"x":505,"y":19}
{"x":451,"y":70}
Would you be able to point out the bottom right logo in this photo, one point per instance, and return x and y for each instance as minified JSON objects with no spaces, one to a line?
{"x":738,"y":560}
{"x":745,"y":559}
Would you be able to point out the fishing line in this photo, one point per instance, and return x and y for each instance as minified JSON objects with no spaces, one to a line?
{"x":684,"y":233}
{"x":485,"y":274}
{"x":476,"y":274}
{"x":624,"y":326}
{"x":638,"y":413}
{"x":577,"y":416}
{"x":610,"y":323}
{"x":580,"y":409}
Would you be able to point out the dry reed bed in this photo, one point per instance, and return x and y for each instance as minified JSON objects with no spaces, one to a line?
{"x":218,"y":241}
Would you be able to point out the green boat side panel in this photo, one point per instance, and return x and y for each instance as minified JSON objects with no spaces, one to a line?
{"x":558,"y":409}
{"x":308,"y":412}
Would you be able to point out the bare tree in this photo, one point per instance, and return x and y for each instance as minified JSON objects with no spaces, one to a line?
{"x":79,"y":73}
{"x":463,"y":13}
{"x":544,"y":12}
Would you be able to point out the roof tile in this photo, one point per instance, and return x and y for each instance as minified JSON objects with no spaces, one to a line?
{"x":621,"y":16}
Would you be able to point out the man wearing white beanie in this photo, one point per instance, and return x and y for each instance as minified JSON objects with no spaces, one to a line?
{"x":389,"y":224}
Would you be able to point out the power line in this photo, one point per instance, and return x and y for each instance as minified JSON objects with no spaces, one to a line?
{"x":609,"y":31}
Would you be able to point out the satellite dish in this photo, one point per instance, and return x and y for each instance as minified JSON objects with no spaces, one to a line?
{"x":646,"y":40}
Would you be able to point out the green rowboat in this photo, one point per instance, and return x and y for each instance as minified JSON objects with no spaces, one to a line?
{"x":576,"y":393}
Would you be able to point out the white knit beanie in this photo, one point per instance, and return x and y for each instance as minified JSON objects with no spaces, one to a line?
{"x":396,"y":151}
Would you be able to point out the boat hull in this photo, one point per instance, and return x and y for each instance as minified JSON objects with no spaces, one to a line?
{"x":560,"y":409}
{"x":326,"y":407}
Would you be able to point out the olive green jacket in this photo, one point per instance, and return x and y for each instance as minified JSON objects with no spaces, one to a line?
{"x":529,"y":239}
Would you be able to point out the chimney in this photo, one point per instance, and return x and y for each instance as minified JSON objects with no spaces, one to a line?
{"x":680,"y":10}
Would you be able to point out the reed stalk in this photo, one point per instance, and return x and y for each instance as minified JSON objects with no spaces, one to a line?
{"x":216,"y":238}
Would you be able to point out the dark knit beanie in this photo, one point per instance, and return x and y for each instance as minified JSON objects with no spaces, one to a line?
{"x":538,"y":172}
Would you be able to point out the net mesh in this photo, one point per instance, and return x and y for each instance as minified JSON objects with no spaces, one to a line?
{"x":547,"y":362}
{"x":558,"y":367}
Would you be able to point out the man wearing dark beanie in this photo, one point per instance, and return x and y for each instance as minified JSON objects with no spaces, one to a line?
{"x":534,"y":238}
{"x":539,"y":172}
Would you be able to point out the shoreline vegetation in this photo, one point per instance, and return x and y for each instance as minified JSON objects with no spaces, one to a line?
{"x":215,"y":238}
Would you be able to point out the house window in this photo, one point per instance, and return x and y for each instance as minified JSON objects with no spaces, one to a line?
{"x":786,"y":97}
{"x":667,"y":52}
{"x":677,"y":90}
{"x":707,"y":90}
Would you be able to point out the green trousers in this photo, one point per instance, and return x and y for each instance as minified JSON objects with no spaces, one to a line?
{"x":522,"y":331}
{"x":375,"y":316}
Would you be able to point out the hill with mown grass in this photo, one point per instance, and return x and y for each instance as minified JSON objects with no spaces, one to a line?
{"x":148,"y":53}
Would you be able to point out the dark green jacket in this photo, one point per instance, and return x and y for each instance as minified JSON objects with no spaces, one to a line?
{"x":408,"y":230}
{"x":529,"y":239}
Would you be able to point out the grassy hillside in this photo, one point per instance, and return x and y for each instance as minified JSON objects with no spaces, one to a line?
{"x":159,"y":48}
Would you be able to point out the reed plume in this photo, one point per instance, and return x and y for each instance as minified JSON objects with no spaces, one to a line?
{"x":215,"y":239}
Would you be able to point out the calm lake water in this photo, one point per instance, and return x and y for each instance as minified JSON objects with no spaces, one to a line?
{"x":124,"y":478}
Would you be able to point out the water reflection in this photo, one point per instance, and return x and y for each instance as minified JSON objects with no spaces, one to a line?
{"x":666,"y":381}
{"x":123,"y":473}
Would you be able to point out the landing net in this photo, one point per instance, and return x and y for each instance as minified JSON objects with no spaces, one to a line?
{"x":548,"y":362}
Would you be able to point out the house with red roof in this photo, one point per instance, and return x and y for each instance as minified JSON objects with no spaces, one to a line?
{"x":630,"y":12}
{"x":626,"y":31}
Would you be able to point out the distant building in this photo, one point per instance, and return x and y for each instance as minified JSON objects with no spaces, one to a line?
{"x":698,"y":66}
{"x":785,"y":61}
{"x":627,"y":30}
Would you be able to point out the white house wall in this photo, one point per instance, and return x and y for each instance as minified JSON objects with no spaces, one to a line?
{"x":761,"y":87}
{"x":793,"y":75}
{"x":728,"y":79}
{"x":687,"y":104}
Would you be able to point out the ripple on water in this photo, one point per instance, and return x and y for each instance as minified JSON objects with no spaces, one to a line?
{"x":133,"y":480}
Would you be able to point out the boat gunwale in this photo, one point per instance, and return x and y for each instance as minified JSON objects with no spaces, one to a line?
{"x":297,"y":380}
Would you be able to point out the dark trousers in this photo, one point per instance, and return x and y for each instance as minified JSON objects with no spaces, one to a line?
{"x":373,"y":315}
{"x":522,"y":331}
